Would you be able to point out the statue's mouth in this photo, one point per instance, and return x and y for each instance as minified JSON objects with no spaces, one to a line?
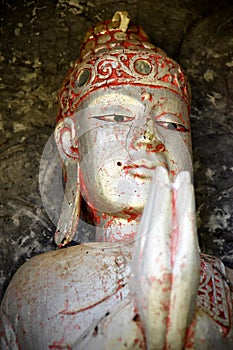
{"x":143,"y":170}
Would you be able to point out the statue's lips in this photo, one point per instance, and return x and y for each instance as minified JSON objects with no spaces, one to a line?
{"x":135,"y":166}
{"x":141,"y":170}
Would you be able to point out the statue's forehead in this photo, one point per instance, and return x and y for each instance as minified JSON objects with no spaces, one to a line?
{"x":117,"y":97}
{"x":133,"y":98}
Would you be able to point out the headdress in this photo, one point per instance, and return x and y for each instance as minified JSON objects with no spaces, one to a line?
{"x":115,"y":53}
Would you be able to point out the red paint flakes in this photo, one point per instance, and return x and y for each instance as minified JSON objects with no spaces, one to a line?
{"x":146,"y":96}
{"x":60,"y":344}
{"x":175,"y":232}
{"x":130,"y":216}
{"x":160,"y":148}
{"x":57,"y":345}
{"x":190,"y":336}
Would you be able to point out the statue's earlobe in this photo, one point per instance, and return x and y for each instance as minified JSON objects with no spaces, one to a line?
{"x":65,"y":137}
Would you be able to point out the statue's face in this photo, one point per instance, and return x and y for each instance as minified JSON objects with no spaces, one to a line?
{"x":123,"y":135}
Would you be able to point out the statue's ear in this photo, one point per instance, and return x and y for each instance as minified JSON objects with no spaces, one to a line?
{"x":66,"y":140}
{"x":67,"y":144}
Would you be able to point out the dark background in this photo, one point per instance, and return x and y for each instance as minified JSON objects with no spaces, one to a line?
{"x":39,"y":42}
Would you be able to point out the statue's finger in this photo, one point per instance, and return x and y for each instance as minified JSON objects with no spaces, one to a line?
{"x":185,"y":262}
{"x":152,"y":263}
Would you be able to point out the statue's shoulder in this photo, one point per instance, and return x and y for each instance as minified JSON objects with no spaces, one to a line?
{"x":75,"y":260}
{"x":215,"y":292}
{"x":57,"y":274}
{"x":73,"y":287}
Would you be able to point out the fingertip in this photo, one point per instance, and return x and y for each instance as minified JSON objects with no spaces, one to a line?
{"x":161,"y":176}
{"x":182,"y":178}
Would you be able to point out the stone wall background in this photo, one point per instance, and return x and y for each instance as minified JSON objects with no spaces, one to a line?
{"x":40,"y":41}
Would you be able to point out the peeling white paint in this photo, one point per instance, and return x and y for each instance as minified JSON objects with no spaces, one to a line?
{"x":209,"y":173}
{"x":218,"y":219}
{"x":229,"y":64}
{"x":18,"y":127}
{"x":209,"y":75}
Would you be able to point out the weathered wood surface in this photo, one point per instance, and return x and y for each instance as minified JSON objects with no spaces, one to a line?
{"x":40,"y":41}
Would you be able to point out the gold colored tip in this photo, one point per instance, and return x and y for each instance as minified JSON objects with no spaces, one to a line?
{"x":123,"y":18}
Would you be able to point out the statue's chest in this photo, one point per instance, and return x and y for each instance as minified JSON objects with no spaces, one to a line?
{"x":214,"y":294}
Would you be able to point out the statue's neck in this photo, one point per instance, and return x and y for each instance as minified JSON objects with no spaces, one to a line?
{"x":114,"y":228}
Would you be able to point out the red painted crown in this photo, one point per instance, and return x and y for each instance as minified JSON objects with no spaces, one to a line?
{"x":113,"y":53}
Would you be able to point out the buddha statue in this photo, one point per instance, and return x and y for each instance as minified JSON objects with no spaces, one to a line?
{"x":123,"y":135}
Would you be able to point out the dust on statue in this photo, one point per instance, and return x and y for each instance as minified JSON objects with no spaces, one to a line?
{"x":123,"y":134}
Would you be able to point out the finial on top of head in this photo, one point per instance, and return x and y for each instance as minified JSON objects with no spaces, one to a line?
{"x":114,"y":53}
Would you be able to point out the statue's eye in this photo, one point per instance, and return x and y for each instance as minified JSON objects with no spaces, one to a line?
{"x":172,"y":126}
{"x":117,"y":118}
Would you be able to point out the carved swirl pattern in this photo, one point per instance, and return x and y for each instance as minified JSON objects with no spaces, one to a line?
{"x":150,"y":69}
{"x":214,"y":296}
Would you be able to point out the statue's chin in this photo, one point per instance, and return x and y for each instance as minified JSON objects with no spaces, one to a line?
{"x":126,"y":198}
{"x":119,"y":209}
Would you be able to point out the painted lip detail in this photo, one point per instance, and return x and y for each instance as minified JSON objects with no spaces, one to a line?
{"x":142,"y":171}
{"x":135,"y":166}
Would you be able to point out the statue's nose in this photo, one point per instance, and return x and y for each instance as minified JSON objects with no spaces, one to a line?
{"x":145,"y":137}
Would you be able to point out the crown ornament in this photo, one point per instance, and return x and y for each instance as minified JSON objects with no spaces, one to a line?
{"x":118,"y":53}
